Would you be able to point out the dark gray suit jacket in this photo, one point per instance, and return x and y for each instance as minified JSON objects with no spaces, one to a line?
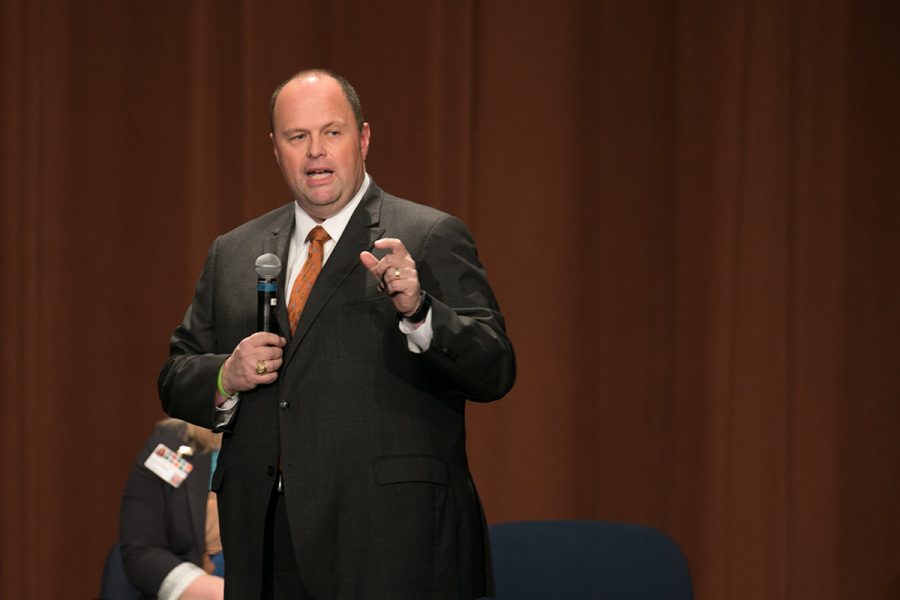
{"x":371,"y":436}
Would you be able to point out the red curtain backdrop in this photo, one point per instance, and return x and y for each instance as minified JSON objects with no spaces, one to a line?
{"x":689,"y":211}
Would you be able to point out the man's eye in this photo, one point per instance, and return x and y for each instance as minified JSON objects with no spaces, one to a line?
{"x":333,"y":133}
{"x":298,"y":136}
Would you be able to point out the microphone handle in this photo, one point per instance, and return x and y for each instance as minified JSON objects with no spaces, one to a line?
{"x":267,"y":305}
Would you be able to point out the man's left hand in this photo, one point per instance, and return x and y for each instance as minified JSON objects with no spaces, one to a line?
{"x":396,"y":274}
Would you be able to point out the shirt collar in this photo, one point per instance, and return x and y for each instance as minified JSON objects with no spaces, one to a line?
{"x":334,"y":224}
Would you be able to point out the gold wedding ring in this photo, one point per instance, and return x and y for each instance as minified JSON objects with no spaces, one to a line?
{"x":261,"y":367}
{"x":396,"y":273}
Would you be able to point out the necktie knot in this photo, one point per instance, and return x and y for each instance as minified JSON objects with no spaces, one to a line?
{"x":318,"y":234}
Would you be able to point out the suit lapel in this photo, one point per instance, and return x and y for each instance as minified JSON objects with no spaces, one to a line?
{"x":361,"y":233}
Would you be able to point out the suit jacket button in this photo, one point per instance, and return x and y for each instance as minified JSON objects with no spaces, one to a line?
{"x":284,"y":405}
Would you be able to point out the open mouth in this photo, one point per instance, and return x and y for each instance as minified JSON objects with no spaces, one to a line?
{"x":319,"y":174}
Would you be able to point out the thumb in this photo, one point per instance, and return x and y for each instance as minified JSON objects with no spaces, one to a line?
{"x":368,"y":260}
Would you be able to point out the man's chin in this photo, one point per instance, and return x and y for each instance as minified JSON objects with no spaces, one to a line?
{"x":322,"y":206}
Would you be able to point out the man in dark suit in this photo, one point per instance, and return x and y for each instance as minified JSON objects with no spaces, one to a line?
{"x":343,"y":472}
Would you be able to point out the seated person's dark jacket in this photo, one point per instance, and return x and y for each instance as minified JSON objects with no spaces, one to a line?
{"x":161,"y":526}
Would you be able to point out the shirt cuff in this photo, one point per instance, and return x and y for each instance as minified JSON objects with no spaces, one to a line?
{"x":228,"y":405}
{"x":225,"y":413}
{"x":178,"y":580}
{"x":418,"y":339}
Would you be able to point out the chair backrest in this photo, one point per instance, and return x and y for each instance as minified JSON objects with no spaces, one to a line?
{"x":593,"y":560}
{"x":115,"y":584}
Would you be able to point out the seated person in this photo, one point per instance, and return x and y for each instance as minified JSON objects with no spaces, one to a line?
{"x":169,"y":529}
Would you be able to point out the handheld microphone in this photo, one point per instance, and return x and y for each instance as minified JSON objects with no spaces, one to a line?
{"x":268,"y":267}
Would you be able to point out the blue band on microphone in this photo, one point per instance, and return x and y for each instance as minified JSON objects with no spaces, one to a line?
{"x":267,"y":286}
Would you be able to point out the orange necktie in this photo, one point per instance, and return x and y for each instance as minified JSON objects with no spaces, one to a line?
{"x":308,"y":274}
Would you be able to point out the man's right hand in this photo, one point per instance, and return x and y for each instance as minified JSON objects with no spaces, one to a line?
{"x":240,"y":373}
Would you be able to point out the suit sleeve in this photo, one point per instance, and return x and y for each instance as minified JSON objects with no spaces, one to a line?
{"x":470,"y":349}
{"x":187,"y":382}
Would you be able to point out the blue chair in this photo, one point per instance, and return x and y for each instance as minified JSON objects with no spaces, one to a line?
{"x":115,"y":584}
{"x":587,"y":560}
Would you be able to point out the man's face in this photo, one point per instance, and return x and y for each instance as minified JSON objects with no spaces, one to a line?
{"x":317,"y":144}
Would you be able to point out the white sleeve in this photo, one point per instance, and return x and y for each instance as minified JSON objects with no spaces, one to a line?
{"x":225,"y":413}
{"x":418,"y":340}
{"x":178,"y":580}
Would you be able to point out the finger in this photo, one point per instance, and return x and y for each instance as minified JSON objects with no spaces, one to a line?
{"x":392,"y":281}
{"x":264,"y":338}
{"x":368,"y":260}
{"x":376,"y":267}
{"x":403,"y":287}
{"x":263,"y":366}
{"x":270,"y":353}
{"x":392,"y":273}
{"x":397,"y":253}
{"x":392,"y":244}
{"x":268,"y":378}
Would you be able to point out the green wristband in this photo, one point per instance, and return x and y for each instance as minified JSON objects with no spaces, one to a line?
{"x":222,"y":389}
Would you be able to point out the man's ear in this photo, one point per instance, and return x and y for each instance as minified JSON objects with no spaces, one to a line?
{"x":364,"y":137}
{"x":274,"y":148}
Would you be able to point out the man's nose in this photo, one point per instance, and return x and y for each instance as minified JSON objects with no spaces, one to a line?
{"x":315,"y":148}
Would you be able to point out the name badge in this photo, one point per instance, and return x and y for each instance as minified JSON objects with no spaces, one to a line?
{"x":168,"y":465}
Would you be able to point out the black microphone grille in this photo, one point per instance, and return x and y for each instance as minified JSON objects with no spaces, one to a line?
{"x":268,"y":266}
